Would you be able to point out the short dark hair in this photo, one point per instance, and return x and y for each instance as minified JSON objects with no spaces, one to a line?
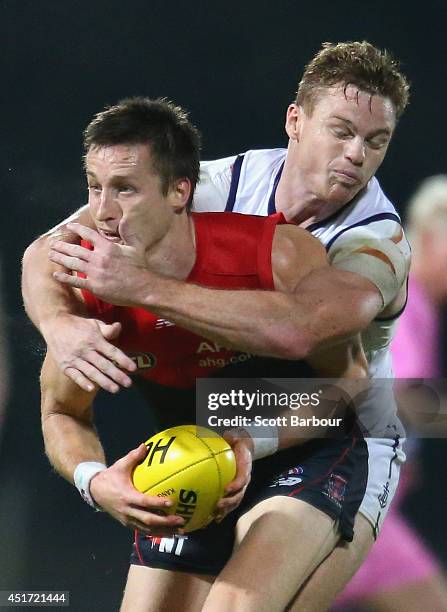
{"x":353,"y":63}
{"x":173,"y":140}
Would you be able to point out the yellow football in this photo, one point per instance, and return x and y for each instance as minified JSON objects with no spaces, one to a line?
{"x":189,"y":465}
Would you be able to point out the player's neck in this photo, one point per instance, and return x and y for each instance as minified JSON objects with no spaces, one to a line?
{"x":296,"y":201}
{"x":174,"y":254}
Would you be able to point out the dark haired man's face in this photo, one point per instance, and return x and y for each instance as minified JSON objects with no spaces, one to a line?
{"x":341,"y":144}
{"x":125,"y":197}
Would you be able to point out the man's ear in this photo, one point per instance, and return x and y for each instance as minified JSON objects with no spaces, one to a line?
{"x":293,"y":121}
{"x":180,"y":193}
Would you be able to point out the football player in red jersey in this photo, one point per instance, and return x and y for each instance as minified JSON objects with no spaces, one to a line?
{"x":142,"y":165}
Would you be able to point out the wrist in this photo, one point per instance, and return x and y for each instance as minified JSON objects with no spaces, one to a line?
{"x":156,"y":293}
{"x":264,"y":440}
{"x":82,"y":477}
{"x":46,"y":325}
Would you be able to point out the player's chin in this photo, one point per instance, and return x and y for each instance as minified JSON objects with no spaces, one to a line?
{"x":340,"y":194}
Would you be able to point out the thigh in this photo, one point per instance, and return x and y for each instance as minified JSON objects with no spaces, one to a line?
{"x":334,"y":572}
{"x":279,"y":542}
{"x":298,"y":505}
{"x":330,"y":475}
{"x":157,"y":590}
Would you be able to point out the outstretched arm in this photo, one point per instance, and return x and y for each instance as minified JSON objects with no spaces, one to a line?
{"x":315,"y":305}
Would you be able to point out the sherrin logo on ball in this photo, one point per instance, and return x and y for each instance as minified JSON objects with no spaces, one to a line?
{"x":189,"y":465}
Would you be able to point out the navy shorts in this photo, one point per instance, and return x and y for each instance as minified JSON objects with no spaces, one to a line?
{"x":330,"y":475}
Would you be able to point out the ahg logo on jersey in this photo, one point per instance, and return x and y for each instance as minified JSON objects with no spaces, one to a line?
{"x":211,"y":347}
{"x":144,"y":361}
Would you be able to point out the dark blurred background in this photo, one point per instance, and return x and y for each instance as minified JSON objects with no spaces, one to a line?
{"x":235,"y":67}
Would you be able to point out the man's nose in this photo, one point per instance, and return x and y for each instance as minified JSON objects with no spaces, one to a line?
{"x":355,"y":151}
{"x":106,"y":206}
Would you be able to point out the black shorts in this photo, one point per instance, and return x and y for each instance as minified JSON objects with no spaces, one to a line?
{"x":330,"y":475}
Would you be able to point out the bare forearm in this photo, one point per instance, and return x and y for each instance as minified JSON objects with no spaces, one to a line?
{"x":321,"y":309}
{"x":69,"y":441}
{"x":263,"y":322}
{"x":67,"y":421}
{"x":319,"y":314}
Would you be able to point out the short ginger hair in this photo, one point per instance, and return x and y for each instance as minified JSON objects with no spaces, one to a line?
{"x":361,"y":64}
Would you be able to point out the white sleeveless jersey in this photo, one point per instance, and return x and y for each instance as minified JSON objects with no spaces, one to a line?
{"x":247,"y":184}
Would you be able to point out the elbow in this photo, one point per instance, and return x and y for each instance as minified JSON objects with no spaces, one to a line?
{"x":299,"y":340}
{"x":29,"y":254}
{"x":32,"y":257}
{"x":291,"y":342}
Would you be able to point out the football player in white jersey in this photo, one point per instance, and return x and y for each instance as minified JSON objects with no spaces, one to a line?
{"x":339,"y":128}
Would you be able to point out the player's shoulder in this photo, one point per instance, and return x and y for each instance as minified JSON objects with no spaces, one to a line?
{"x":214,"y":184}
{"x":266,"y":155}
{"x":380,"y":229}
{"x":293,"y":246}
{"x":294,"y":235}
{"x":216,"y":176}
{"x":215,"y":168}
{"x":380,"y":237}
{"x":258,"y":162}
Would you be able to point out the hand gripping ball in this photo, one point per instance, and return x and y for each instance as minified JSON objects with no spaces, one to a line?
{"x":189,"y":465}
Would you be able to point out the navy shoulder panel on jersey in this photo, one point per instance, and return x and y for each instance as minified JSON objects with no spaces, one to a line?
{"x":236,"y":173}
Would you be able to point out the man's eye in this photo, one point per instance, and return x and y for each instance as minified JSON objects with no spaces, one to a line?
{"x":94,"y":187}
{"x":341,"y":133}
{"x":377,"y":144}
{"x":126,"y":189}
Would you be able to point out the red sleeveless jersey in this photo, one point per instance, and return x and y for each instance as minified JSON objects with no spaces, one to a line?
{"x":233,"y":251}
